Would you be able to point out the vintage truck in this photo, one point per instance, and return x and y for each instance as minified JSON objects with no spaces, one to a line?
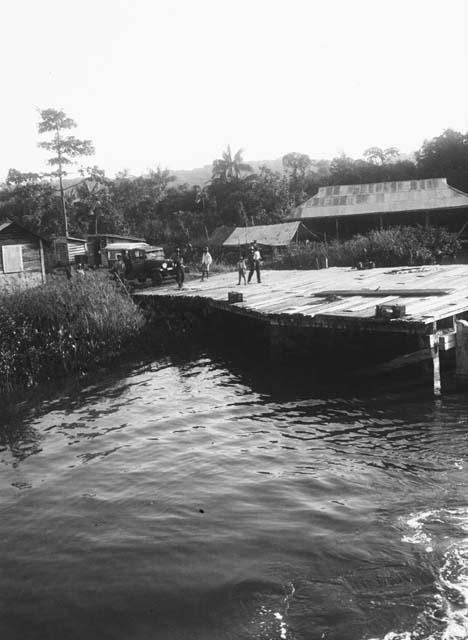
{"x":143,"y":261}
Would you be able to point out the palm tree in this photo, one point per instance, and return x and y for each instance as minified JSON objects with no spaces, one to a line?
{"x":376,"y":155}
{"x":229,"y":168}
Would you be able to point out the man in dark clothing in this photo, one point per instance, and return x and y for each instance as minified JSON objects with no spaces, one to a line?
{"x":118,"y":268}
{"x":253,"y":262}
{"x":127,"y":260}
{"x":179,"y":268}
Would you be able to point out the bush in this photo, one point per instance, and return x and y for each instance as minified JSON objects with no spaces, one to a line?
{"x":63,"y":326}
{"x":397,"y":246}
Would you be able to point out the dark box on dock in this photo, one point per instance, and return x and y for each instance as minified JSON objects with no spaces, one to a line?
{"x":234,"y":296}
{"x":390,"y":311}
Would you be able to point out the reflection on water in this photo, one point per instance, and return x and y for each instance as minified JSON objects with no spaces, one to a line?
{"x":209,"y":498}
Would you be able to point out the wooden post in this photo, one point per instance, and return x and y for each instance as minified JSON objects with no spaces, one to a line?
{"x":41,"y":252}
{"x":337,"y":227}
{"x":427,"y":219}
{"x":62,"y":195}
{"x":430,"y":344}
{"x":461,"y":351}
{"x":434,"y":346}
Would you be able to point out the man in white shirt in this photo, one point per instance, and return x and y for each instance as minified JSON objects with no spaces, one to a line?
{"x":254,"y":262}
{"x":205,"y":263}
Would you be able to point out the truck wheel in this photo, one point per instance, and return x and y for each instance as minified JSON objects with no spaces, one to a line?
{"x":156,"y":279}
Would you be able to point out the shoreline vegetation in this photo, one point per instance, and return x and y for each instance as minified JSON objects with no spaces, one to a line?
{"x":72,"y":326}
{"x":393,"y":247}
{"x":64,"y":327}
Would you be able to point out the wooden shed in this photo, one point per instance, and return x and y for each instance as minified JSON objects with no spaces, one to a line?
{"x":22,"y":261}
{"x":77,"y":250}
{"x":269,"y":235}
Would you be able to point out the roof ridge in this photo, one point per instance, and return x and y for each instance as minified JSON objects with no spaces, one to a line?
{"x":381,"y":198}
{"x":367,"y":184}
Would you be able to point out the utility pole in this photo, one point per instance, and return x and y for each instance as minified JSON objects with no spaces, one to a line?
{"x":62,"y":194}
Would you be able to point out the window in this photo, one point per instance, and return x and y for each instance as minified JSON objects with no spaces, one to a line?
{"x":12,"y":258}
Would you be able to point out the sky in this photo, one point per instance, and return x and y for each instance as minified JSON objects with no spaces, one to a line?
{"x":172,"y":83}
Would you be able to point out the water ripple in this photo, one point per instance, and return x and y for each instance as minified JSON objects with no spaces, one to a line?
{"x":181,"y":499}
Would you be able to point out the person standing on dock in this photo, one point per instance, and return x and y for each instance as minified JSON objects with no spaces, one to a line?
{"x":254,"y":262}
{"x":241,"y":267}
{"x":205,"y":263}
{"x":179,"y":268}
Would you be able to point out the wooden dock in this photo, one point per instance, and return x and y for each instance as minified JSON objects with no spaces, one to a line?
{"x":422,"y":302}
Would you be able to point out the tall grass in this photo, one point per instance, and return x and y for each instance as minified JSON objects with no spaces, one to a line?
{"x":397,"y":246}
{"x":64,"y":326}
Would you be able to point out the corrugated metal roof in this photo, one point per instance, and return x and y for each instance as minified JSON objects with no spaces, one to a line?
{"x":116,"y":236}
{"x":381,"y":198}
{"x":272,"y":235}
{"x":126,"y":246}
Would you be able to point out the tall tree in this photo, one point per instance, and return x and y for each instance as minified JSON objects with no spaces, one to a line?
{"x":228,"y":187}
{"x":296,"y":163}
{"x":376,"y":155}
{"x":268,"y":198}
{"x":230,"y":167}
{"x":92,"y":204}
{"x":445,"y":156}
{"x":65,"y":148}
{"x":297,"y":167}
{"x":346,"y":170}
{"x":30,"y":201}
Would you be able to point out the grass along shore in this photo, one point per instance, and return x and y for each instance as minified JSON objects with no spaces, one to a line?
{"x":62,"y":327}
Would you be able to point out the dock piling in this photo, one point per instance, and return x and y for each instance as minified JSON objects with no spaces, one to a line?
{"x":434,"y":347}
{"x":461,"y":351}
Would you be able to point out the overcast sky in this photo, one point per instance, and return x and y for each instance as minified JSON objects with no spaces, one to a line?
{"x":172,"y":83}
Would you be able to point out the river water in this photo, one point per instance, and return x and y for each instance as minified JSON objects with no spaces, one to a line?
{"x":203,"y":498}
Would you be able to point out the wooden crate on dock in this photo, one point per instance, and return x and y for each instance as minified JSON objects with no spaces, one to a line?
{"x":387,"y":311}
{"x":235,"y":296}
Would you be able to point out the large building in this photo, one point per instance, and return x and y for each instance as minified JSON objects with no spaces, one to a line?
{"x":344,"y":210}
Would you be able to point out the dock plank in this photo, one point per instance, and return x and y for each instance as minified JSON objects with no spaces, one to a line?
{"x":303,"y":293}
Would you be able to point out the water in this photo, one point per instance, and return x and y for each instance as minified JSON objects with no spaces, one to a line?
{"x":205,"y":499}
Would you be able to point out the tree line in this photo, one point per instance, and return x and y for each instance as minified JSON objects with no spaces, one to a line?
{"x":156,"y":207}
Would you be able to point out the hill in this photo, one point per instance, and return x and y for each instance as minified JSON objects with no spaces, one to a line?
{"x":202,"y":175}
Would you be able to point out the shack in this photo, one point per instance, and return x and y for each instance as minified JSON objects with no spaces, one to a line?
{"x":97,"y":242}
{"x":269,"y":235}
{"x":22,"y":262}
{"x":77,"y":250}
{"x":341,"y":211}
